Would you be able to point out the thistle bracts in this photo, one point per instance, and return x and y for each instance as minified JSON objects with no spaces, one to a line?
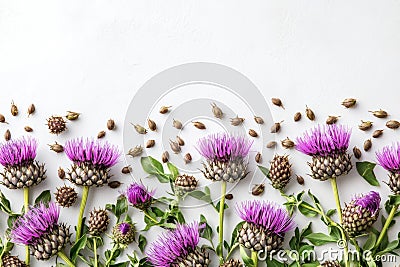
{"x":232,"y":263}
{"x":361,"y":213}
{"x":66,"y":196}
{"x":124,"y":233}
{"x":225,"y":157}
{"x":280,"y":172}
{"x":12,"y":261}
{"x":56,"y":124}
{"x":20,"y":168}
{"x":139,"y":196}
{"x":184,"y":184}
{"x":98,"y":221}
{"x":91,"y":161}
{"x":389,"y":159}
{"x":265,"y":225}
{"x":328,"y":147}
{"x":330,"y":264}
{"x":178,"y":248}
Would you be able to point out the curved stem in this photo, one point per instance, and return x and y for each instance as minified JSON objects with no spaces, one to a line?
{"x":26,"y":208}
{"x":254,"y":257}
{"x":386,"y":226}
{"x":221,"y":219}
{"x":111,"y":255}
{"x":151,"y":218}
{"x":85,"y":194}
{"x":95,"y":252}
{"x":65,"y":259}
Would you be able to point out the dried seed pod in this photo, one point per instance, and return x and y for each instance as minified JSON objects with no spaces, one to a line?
{"x":31,"y":109}
{"x":377,"y":133}
{"x":310,"y":114}
{"x":357,"y":152}
{"x":139,"y":129}
{"x":2,"y":119}
{"x":300,"y":179}
{"x":101,"y":134}
{"x":28,"y":129}
{"x":135,"y":151}
{"x":152,"y":125}
{"x":187,"y":158}
{"x":217,"y":111}
{"x":177,"y":124}
{"x":332,"y":119}
{"x":393,"y":124}
{"x":61,"y":173}
{"x":150,"y":143}
{"x":110,"y":124}
{"x":14,"y":109}
{"x":258,"y":189}
{"x":199,"y":125}
{"x":164,"y":109}
{"x":287,"y":143}
{"x":175,"y":146}
{"x":56,"y":124}
{"x":297,"y":116}
{"x":126,"y":169}
{"x":7,"y":135}
{"x":180,"y":141}
{"x":277,"y":102}
{"x":56,"y":147}
{"x":259,"y":120}
{"x":72,"y":115}
{"x":237,"y":121}
{"x":365,"y":125}
{"x":276,"y":127}
{"x":229,"y":196}
{"x":253,"y":133}
{"x":349,"y":102}
{"x":165,"y":156}
{"x":367,"y":144}
{"x":258,"y":157}
{"x":379,"y":113}
{"x":271,"y":144}
{"x":114,"y":184}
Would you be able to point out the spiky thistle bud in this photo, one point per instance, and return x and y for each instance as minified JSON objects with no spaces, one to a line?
{"x":232,"y":263}
{"x":12,"y":261}
{"x":56,"y":124}
{"x":185,"y":184}
{"x":389,"y":159}
{"x":124,"y":233}
{"x":139,"y":196}
{"x":66,"y":196}
{"x":98,"y":221}
{"x":330,"y":264}
{"x":280,"y":172}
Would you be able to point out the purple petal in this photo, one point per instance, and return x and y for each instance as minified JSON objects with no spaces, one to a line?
{"x":370,"y":201}
{"x":138,"y":194}
{"x":389,"y":158}
{"x":18,"y":151}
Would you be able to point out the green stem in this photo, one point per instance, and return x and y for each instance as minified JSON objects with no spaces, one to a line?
{"x":26,"y":208}
{"x":386,"y":226}
{"x":254,"y":257}
{"x":221,"y":219}
{"x":95,"y":252}
{"x":111,"y":255}
{"x":151,"y":218}
{"x":85,"y":194}
{"x":65,"y":259}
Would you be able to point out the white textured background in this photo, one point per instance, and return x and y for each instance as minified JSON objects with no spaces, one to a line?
{"x":92,"y":56}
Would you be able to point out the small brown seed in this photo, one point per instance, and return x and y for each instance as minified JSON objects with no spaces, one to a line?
{"x":101,"y":134}
{"x":393,"y":124}
{"x":259,"y":120}
{"x":367,"y":144}
{"x":310,"y":114}
{"x":56,"y":147}
{"x":271,"y":144}
{"x":287,"y":143}
{"x":14,"y":109}
{"x":297,"y":116}
{"x":187,"y":158}
{"x":379,"y":113}
{"x":2,"y":119}
{"x":258,"y":189}
{"x":199,"y":125}
{"x":139,"y":129}
{"x":349,"y":102}
{"x":258,"y":158}
{"x":276,"y":127}
{"x":152,"y":125}
{"x":164,"y":109}
{"x":177,"y":124}
{"x":180,"y":141}
{"x":229,"y":196}
{"x":237,"y":121}
{"x":217,"y":111}
{"x":28,"y":129}
{"x":253,"y":133}
{"x":277,"y":102}
{"x":135,"y":151}
{"x":110,"y":124}
{"x":332,"y":119}
{"x":150,"y":143}
{"x":72,"y":115}
{"x":365,"y":125}
{"x":357,"y":152}
{"x":114,"y":184}
{"x":126,"y":169}
{"x":300,"y":179}
{"x":377,"y":133}
{"x":165,"y":156}
{"x":175,"y":146}
{"x":7,"y":135}
{"x":31,"y":109}
{"x":61,"y":173}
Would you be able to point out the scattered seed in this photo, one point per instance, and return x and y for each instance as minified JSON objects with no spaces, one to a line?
{"x":61,"y":173}
{"x":276,"y":127}
{"x":379,"y":113}
{"x":349,"y":102}
{"x":310,"y":114}
{"x":164,"y":109}
{"x":253,"y":133}
{"x":31,"y":109}
{"x":28,"y":129}
{"x":259,"y":120}
{"x":297,"y":116}
{"x":2,"y":119}
{"x":150,"y":143}
{"x":7,"y":135}
{"x":110,"y":124}
{"x":229,"y":196}
{"x":287,"y":143}
{"x":237,"y":121}
{"x":377,"y":133}
{"x":199,"y":125}
{"x":114,"y":184}
{"x":126,"y":169}
{"x":187,"y":158}
{"x":332,"y":119}
{"x":14,"y":109}
{"x":177,"y":124}
{"x":101,"y":134}
{"x":135,"y":151}
{"x":165,"y":156}
{"x":258,"y":157}
{"x":152,"y":125}
{"x":357,"y":152}
{"x":217,"y":111}
{"x":300,"y":179}
{"x":271,"y":144}
{"x":56,"y":147}
{"x":277,"y":102}
{"x":175,"y":147}
{"x":180,"y":141}
{"x":72,"y":115}
{"x":258,"y":189}
{"x":367,"y":144}
{"x":365,"y":125}
{"x":139,"y":129}
{"x":393,"y":124}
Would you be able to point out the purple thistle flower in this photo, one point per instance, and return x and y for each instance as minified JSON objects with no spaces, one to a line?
{"x":389,"y":158}
{"x":18,"y":152}
{"x":223,"y":147}
{"x":96,"y":152}
{"x":324,"y":140}
{"x":267,"y":215}
{"x":370,"y":201}
{"x":139,"y":196}
{"x":124,"y":228}
{"x":35,"y":223}
{"x":174,"y":244}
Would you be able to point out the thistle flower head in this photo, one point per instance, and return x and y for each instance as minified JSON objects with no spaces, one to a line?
{"x":267,"y":215}
{"x":124,"y":228}
{"x":18,"y":151}
{"x":389,"y":158}
{"x":324,"y":140}
{"x":370,"y":201}
{"x":139,"y":196}
{"x":95,"y":152}
{"x":223,"y":147}
{"x":35,"y":223}
{"x":174,"y":244}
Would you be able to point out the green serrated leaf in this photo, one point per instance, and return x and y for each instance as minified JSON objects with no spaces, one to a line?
{"x":305,"y":209}
{"x":370,"y":243}
{"x":394,"y":200}
{"x":319,"y":239}
{"x":306,"y":231}
{"x":173,"y":170}
{"x":246,"y":259}
{"x":264,"y":170}
{"x":366,"y":170}
{"x":44,"y":197}
{"x":77,"y":247}
{"x":142,"y":243}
